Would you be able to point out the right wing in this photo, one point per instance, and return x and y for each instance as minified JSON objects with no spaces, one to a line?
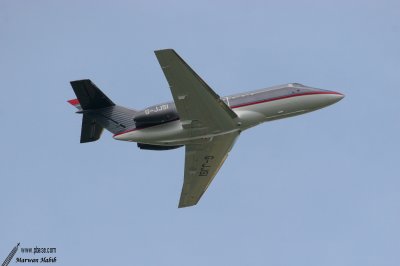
{"x":202,"y":163}
{"x":199,"y":107}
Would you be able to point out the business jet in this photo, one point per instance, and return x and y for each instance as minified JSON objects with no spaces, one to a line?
{"x":206,"y":124}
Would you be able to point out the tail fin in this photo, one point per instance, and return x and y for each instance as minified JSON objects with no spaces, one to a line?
{"x":99,"y":111}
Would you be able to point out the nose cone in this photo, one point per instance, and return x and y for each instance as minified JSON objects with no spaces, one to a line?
{"x":326,"y":98}
{"x":335,"y":96}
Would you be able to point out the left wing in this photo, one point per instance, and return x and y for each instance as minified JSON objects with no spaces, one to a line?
{"x":202,"y":162}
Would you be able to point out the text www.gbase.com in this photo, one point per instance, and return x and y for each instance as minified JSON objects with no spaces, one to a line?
{"x":37,"y":250}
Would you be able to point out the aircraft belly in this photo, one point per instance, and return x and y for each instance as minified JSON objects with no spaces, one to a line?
{"x":156,"y":134}
{"x":170,"y":134}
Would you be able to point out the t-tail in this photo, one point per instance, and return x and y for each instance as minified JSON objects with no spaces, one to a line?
{"x":99,"y":111}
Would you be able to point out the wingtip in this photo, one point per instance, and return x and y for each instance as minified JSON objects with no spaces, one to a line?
{"x":79,"y":80}
{"x":185,"y":205}
{"x":164,"y":50}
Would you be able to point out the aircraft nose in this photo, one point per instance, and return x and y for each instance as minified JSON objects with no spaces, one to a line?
{"x":329,"y":97}
{"x":336,"y":96}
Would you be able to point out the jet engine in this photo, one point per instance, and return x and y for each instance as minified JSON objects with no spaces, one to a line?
{"x":156,"y":115}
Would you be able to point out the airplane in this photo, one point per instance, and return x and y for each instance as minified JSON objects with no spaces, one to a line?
{"x":198,"y":118}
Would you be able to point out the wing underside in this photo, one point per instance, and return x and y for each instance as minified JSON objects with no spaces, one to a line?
{"x":203,"y":114}
{"x":200,"y":108}
{"x":202,"y":163}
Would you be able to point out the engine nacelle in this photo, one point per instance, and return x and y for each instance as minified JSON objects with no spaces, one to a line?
{"x":156,"y":115}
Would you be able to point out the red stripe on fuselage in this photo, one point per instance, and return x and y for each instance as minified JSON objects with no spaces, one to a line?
{"x":284,"y":97}
{"x":248,"y":104}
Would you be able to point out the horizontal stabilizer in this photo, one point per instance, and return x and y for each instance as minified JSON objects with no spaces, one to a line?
{"x":89,"y":95}
{"x":91,"y":130}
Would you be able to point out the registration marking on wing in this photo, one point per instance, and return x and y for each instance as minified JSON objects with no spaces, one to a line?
{"x":206,"y":166}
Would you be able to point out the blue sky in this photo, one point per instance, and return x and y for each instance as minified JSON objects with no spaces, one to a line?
{"x":318,"y":189}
